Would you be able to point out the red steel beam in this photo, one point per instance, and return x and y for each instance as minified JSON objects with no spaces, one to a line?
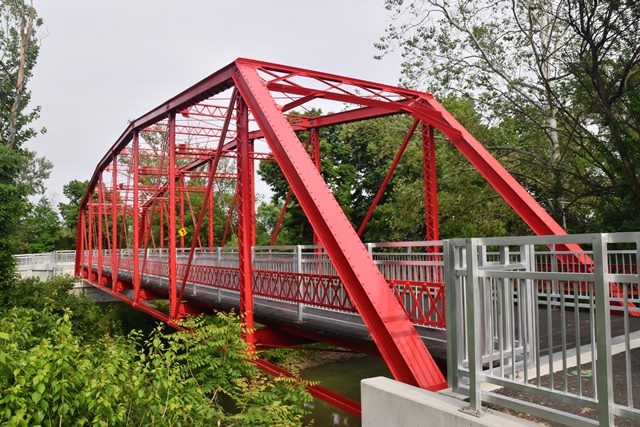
{"x":172,"y":255}
{"x":399,"y":343}
{"x":136,"y":219}
{"x":246,"y":225}
{"x":430,"y":183}
{"x":387,"y":177}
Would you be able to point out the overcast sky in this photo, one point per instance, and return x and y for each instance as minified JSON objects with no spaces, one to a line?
{"x":103,"y":63}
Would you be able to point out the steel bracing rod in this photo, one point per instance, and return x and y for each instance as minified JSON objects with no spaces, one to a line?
{"x":90,"y":239}
{"x":210,"y":224}
{"x":387,"y":177}
{"x":161,"y":224}
{"x":430,"y":184}
{"x":246,"y":224}
{"x":114,"y":224}
{"x":173,"y":308}
{"x":276,"y":229}
{"x":193,"y":217}
{"x":80,"y":233}
{"x":209,"y":86}
{"x":228,"y":224}
{"x":181,"y":180}
{"x":399,"y":343}
{"x":136,"y":219}
{"x":208,"y":194}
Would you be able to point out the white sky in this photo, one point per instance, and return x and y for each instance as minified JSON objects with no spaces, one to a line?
{"x":103,"y":63}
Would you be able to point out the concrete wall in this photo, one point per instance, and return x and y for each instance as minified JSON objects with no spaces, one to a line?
{"x":386,"y":403}
{"x":45,"y":271}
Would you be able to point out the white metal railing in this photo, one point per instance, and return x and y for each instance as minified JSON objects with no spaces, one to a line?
{"x":531,"y":314}
{"x":55,"y":257}
{"x":413,"y":270}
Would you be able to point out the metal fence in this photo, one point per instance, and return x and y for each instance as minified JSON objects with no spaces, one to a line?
{"x":305,"y":275}
{"x":529,"y":324}
{"x":55,"y":257}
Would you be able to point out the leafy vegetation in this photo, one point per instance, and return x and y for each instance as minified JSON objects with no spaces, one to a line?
{"x":65,"y":361}
{"x":563,"y":74}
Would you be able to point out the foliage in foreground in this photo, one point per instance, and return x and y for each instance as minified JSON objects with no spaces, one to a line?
{"x":90,"y":321}
{"x":65,"y":361}
{"x":50,"y":376}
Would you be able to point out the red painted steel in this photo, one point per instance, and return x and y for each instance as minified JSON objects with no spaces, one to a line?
{"x":399,"y":343}
{"x":159,"y":160}
{"x":387,"y":177}
{"x":430,"y":183}
{"x":246,"y":223}
{"x":136,"y":219}
{"x":172,"y":254}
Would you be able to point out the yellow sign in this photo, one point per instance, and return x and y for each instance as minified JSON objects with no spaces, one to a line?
{"x":182,"y":232}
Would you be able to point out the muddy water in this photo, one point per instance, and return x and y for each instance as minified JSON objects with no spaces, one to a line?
{"x":342,"y":377}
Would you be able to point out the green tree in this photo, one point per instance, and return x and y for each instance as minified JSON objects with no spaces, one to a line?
{"x":21,"y":172}
{"x":73,"y":191}
{"x":51,"y":376}
{"x":556,"y":70}
{"x":355,"y":158}
{"x":40,"y":228}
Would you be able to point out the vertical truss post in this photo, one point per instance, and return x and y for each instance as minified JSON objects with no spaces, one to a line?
{"x":114,"y":224}
{"x":430,"y":183}
{"x":171,"y":219}
{"x":246,"y":227}
{"x":161,"y":224}
{"x":210,"y":225}
{"x":136,"y":219}
{"x":90,"y":239}
{"x":100,"y":203}
{"x":182,"y":209}
{"x":251,"y":187}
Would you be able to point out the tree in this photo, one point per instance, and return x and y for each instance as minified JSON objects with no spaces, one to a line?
{"x":605,"y":66}
{"x":22,"y":172}
{"x":73,"y":191}
{"x":355,"y":158}
{"x":518,"y":60}
{"x":18,"y":55}
{"x":40,"y":228}
{"x":52,"y":376}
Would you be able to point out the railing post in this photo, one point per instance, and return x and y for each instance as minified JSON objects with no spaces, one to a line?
{"x":603,"y":331}
{"x":219,"y":250}
{"x":530,"y":305}
{"x":472,"y":292}
{"x":300,"y":287}
{"x":451,"y":287}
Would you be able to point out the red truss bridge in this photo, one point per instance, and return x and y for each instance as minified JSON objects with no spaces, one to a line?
{"x":165,"y":170}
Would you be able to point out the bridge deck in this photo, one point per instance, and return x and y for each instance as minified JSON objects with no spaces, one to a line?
{"x":297,"y":290}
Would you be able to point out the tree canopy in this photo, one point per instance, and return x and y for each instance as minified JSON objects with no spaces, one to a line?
{"x":565,"y":72}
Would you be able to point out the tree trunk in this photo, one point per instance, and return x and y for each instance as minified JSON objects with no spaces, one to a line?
{"x":25,"y":33}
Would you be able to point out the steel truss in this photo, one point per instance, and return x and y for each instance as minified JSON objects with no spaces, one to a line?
{"x":141,"y":196}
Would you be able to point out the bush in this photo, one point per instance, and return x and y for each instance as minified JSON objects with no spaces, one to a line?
{"x":60,"y":367}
